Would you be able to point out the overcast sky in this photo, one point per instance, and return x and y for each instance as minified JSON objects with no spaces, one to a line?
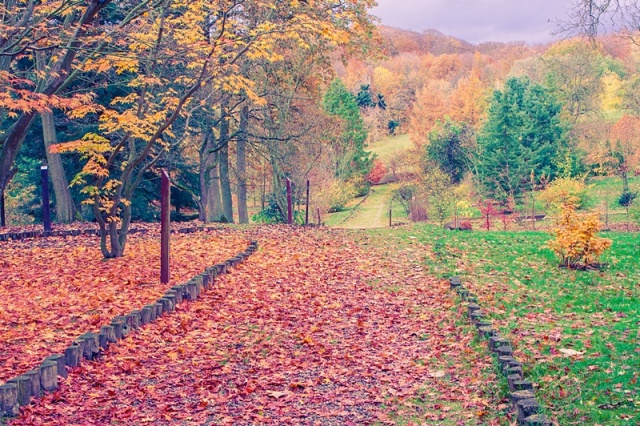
{"x":477,"y":21}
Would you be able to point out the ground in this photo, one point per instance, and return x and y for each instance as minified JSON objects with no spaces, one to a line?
{"x":319,"y":326}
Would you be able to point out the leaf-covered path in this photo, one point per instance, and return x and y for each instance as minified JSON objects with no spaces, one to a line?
{"x":52,"y":290}
{"x":315,"y":328}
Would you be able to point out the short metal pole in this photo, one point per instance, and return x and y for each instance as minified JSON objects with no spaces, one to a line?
{"x":306,"y":218}
{"x":165,"y":227}
{"x":46,"y":209}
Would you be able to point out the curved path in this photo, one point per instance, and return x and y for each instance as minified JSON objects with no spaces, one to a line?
{"x":319,"y":327}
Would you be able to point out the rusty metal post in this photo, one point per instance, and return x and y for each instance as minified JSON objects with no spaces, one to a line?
{"x":3,"y":219}
{"x":165,"y":227}
{"x":306,"y":217}
{"x":46,"y":209}
{"x":289,"y":203}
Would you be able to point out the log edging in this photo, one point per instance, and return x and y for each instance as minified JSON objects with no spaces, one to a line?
{"x":522,"y":397}
{"x":22,"y":389}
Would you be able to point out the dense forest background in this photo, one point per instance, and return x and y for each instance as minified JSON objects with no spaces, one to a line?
{"x":233,"y":99}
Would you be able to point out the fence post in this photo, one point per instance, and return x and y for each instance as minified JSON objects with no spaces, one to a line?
{"x":165,"y":227}
{"x":306,"y":218}
{"x":3,"y":219}
{"x":289,"y":203}
{"x":46,"y":209}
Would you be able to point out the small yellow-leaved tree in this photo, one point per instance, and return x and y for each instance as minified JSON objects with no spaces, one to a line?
{"x":576,"y":241}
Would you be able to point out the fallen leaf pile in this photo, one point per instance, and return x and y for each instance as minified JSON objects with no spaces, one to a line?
{"x":52,"y":290}
{"x":315,"y":328}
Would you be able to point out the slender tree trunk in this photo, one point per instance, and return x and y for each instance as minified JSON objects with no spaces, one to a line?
{"x":65,"y":209}
{"x":225,"y":182}
{"x":214,"y":200}
{"x":243,"y":215}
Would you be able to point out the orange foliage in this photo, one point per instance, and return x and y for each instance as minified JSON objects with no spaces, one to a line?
{"x":72,"y":291}
{"x":431,"y":105}
{"x":576,"y":241}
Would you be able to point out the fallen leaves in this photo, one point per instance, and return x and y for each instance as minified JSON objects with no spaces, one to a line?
{"x":52,"y":290}
{"x":338,"y":345}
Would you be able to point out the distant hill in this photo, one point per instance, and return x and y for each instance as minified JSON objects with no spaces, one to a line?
{"x":396,"y":40}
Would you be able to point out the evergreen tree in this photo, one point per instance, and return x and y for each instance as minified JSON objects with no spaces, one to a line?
{"x":523,"y":133}
{"x":350,"y":145}
{"x":446,"y":149}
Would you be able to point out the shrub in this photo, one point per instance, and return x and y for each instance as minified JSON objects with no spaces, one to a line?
{"x":378,"y":171}
{"x":465,"y":225}
{"x":576,"y":241}
{"x":566,"y":191}
{"x":627,"y":198}
{"x":340,"y":193}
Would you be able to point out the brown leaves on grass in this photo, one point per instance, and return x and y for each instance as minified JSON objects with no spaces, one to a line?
{"x":55,"y":289}
{"x":313,"y":329}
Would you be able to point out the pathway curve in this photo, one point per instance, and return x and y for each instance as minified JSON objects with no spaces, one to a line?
{"x":321,"y":327}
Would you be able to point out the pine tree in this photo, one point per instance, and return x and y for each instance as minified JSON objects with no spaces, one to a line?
{"x":523,"y":133}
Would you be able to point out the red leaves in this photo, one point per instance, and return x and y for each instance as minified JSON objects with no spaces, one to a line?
{"x":304,"y":332}
{"x":53,"y":290}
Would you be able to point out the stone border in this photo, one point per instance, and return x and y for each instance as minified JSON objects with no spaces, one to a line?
{"x":522,"y":398}
{"x":34,"y":383}
{"x":18,"y":236}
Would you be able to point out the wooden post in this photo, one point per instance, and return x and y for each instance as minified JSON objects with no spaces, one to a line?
{"x":165,"y":230}
{"x":46,"y":212}
{"x":390,"y":218}
{"x":306,"y":217}
{"x":3,"y":220}
{"x":289,"y":203}
{"x":319,"y":218}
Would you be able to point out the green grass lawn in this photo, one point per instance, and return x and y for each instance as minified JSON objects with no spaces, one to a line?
{"x":544,"y":310}
{"x":387,"y":148}
{"x":608,"y":189}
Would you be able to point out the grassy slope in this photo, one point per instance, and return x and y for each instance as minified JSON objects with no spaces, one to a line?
{"x":373,"y":212}
{"x":544,"y":309}
{"x":387,"y":148}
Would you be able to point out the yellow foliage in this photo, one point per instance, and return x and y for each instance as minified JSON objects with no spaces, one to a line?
{"x":565,"y":191}
{"x":576,"y":241}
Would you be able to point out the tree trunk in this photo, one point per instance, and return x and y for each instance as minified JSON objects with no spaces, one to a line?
{"x":243,"y":215}
{"x":225,"y":183}
{"x":65,"y":208}
{"x":214,"y":203}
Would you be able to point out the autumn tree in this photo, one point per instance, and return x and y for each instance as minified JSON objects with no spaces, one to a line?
{"x":430,"y":106}
{"x":59,"y":36}
{"x":625,"y":147}
{"x":468,"y":102}
{"x":574,"y":71}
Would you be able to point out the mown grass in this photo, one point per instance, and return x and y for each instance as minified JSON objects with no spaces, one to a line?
{"x":385,"y":149}
{"x":544,"y":309}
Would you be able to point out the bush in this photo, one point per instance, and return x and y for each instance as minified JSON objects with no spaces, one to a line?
{"x":576,"y":241}
{"x":378,"y":171}
{"x":626,"y":198}
{"x":566,"y":191}
{"x":340,"y":193}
